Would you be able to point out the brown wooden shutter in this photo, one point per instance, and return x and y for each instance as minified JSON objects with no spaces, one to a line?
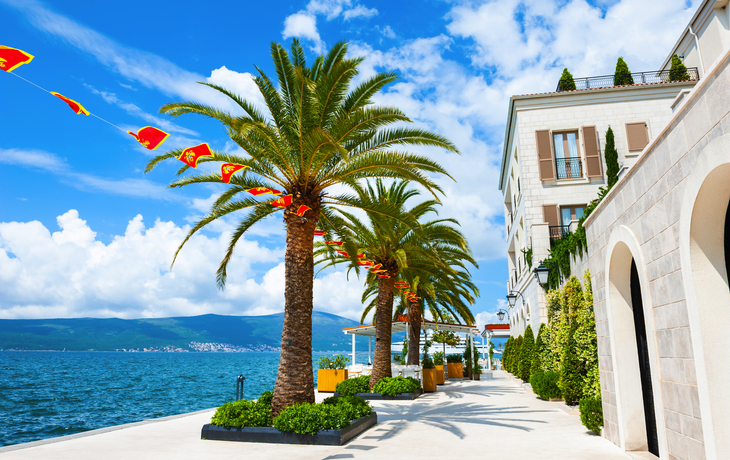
{"x":637,"y":135}
{"x":550,"y":214}
{"x":545,"y":155}
{"x":593,"y":153}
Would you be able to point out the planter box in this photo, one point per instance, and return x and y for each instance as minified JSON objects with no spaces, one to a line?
{"x":440,"y":377}
{"x":476,"y":376}
{"x":327,"y":379}
{"x":429,"y":380}
{"x":398,"y":397}
{"x":455,"y":370}
{"x":272,"y":435}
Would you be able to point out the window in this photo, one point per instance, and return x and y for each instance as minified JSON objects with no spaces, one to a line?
{"x":559,"y":155}
{"x":637,"y":136}
{"x":567,"y":155}
{"x":569,"y":213}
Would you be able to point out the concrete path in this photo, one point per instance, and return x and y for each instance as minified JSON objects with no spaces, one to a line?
{"x":493,"y":419}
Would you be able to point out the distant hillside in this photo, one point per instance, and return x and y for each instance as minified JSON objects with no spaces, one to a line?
{"x":113,"y":334}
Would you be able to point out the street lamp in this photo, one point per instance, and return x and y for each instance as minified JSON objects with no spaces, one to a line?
{"x":543,"y":273}
{"x":501,"y":313}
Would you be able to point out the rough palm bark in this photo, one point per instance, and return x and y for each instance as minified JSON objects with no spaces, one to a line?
{"x":383,"y":327}
{"x":414,"y":335}
{"x":295,"y":378}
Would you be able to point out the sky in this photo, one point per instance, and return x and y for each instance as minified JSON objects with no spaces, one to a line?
{"x":85,"y":233}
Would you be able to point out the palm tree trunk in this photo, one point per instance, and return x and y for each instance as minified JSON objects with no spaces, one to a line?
{"x":383,"y":327}
{"x":414,"y":340}
{"x":295,"y":379}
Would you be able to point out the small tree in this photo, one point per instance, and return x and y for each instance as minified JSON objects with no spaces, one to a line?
{"x":539,"y":350}
{"x":516,"y":355}
{"x":678,"y":71}
{"x":566,"y":81}
{"x":528,"y":343}
{"x":611,"y":155}
{"x":622,"y":75}
{"x":571,"y":371}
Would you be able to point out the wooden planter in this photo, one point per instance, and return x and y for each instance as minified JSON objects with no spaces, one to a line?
{"x":429,"y":380}
{"x":327,"y":379}
{"x":440,"y":377}
{"x":455,"y":370}
{"x":476,"y":376}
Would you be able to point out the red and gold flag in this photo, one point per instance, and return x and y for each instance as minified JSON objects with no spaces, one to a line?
{"x":334,"y":243}
{"x":365,"y":262}
{"x":401,"y":284}
{"x":378,"y":271}
{"x":150,"y":137}
{"x":361,"y":256}
{"x":283,"y":202}
{"x":263,"y":191}
{"x":319,"y":233}
{"x":383,"y":276}
{"x":11,"y":58}
{"x":343,"y":253}
{"x":375,"y":267}
{"x":228,"y":170}
{"x":301,"y":210}
{"x":75,"y":106}
{"x":191,"y":155}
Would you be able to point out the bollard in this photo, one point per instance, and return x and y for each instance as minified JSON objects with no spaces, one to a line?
{"x":239,"y":387}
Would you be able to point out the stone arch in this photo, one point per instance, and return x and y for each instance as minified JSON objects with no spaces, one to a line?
{"x":704,"y":228}
{"x":623,"y":249}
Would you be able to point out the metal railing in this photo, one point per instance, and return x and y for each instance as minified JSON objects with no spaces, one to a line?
{"x":558,"y":231}
{"x":569,"y":168}
{"x":658,"y":76}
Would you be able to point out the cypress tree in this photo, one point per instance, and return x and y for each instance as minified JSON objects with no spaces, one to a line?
{"x":678,"y":71}
{"x":622,"y":76}
{"x":611,"y":155}
{"x":506,"y":354}
{"x":528,"y":343}
{"x":516,"y":355}
{"x":566,"y":81}
{"x":538,"y":351}
{"x":571,"y":371}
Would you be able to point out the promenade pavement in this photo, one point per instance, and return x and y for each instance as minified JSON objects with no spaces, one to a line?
{"x":491,"y":419}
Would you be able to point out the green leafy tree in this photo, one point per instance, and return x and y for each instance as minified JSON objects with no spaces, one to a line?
{"x":611,"y":155}
{"x":516,"y":356}
{"x":571,"y":370}
{"x":587,"y":342}
{"x":566,"y":81}
{"x":539,"y":350}
{"x":506,"y":354}
{"x":317,"y":134}
{"x":528,"y":344}
{"x":622,"y":75}
{"x":678,"y":71}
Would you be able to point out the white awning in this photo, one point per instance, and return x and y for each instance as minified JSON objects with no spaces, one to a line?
{"x":401,"y":326}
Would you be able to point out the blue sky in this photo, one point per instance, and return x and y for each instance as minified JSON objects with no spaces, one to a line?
{"x":83,"y":232}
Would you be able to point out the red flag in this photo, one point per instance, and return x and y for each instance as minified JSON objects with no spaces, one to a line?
{"x":319,"y":233}
{"x":401,"y":284}
{"x":191,"y":155}
{"x":282,"y":202}
{"x":150,"y":137}
{"x":75,"y":106}
{"x":343,"y":253}
{"x":375,"y":267}
{"x":378,"y":271}
{"x":403,"y":318}
{"x":361,"y":256}
{"x":301,"y":210}
{"x":263,"y":191}
{"x":11,"y":58}
{"x":383,"y":276}
{"x":334,"y":243}
{"x":365,"y":262}
{"x":228,"y":170}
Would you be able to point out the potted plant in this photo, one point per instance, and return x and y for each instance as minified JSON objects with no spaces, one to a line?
{"x":331,"y":372}
{"x":429,"y":374}
{"x":438,"y":361}
{"x":454,"y":366}
{"x":477,"y":371}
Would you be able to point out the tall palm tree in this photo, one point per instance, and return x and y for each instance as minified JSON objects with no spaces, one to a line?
{"x":318,"y":132}
{"x":397,"y":246}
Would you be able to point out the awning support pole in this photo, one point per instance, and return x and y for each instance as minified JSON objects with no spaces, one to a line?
{"x":353,"y":349}
{"x":370,"y":352}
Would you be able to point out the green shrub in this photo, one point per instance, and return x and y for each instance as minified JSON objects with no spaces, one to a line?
{"x":571,"y":371}
{"x":393,"y":386}
{"x":309,"y":418}
{"x":438,"y":358}
{"x":350,"y":387}
{"x":354,"y":406}
{"x":528,"y":343}
{"x":622,"y":75}
{"x":515,"y":358}
{"x":243,"y":413}
{"x":454,"y":359}
{"x":678,"y":71}
{"x":333,"y":362}
{"x":566,"y":81}
{"x":266,"y":398}
{"x":545,"y":384}
{"x":611,"y":155}
{"x":591,"y":414}
{"x":537,"y":351}
{"x":427,"y":363}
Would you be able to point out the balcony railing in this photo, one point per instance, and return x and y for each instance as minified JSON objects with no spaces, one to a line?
{"x":569,"y":168}
{"x":606,"y":81}
{"x":558,"y":231}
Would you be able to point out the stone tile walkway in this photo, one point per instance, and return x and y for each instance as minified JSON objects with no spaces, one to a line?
{"x":493,"y":419}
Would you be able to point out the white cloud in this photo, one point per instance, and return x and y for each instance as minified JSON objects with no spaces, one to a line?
{"x":330,"y":8}
{"x":359,"y":12}
{"x":303,"y":25}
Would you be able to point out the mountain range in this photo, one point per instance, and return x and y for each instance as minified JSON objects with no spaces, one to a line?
{"x":107,"y":334}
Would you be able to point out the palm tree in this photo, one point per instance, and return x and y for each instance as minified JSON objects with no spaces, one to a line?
{"x":318,"y":132}
{"x":398,"y":247}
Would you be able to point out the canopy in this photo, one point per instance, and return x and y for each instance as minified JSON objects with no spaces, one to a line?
{"x":402,"y":326}
{"x":497,"y":331}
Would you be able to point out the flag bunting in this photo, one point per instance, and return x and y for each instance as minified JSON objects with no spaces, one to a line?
{"x":256,"y":191}
{"x":11,"y":58}
{"x":301,"y":210}
{"x":319,"y":233}
{"x":150,"y":137}
{"x":283,"y":202}
{"x":191,"y":155}
{"x":228,"y":170}
{"x":75,"y":106}
{"x":334,"y":243}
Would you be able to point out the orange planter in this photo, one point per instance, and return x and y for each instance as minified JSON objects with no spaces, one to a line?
{"x":456,"y":371}
{"x":440,"y":377}
{"x":429,"y":380}
{"x":327,"y":379}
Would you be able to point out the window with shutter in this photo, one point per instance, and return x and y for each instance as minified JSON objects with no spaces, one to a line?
{"x":637,"y":135}
{"x":593,"y":153}
{"x":551,"y":215}
{"x":544,"y":155}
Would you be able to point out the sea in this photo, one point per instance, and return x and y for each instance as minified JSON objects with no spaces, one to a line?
{"x":45,"y":394}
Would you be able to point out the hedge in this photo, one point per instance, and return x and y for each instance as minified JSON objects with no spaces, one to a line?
{"x":545,"y":385}
{"x":393,"y":386}
{"x":591,"y":414}
{"x":351,"y":387}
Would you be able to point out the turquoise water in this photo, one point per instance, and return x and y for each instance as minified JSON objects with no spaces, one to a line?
{"x":48,"y":394}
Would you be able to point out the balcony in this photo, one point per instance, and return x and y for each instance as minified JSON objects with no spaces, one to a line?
{"x":558,"y":231}
{"x":569,"y":168}
{"x":640,"y":78}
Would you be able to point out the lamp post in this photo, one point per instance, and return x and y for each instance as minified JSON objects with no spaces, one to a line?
{"x":543,"y":273}
{"x":501,"y":313}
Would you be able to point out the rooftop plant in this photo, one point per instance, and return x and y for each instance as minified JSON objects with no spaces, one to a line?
{"x":566,"y":81}
{"x":678,"y":71}
{"x":622,"y":75}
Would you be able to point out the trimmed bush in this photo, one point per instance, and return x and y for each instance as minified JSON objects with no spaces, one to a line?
{"x":454,"y":359}
{"x":622,"y":75}
{"x":571,"y":371}
{"x":528,"y":343}
{"x":538,"y":350}
{"x":333,"y":362}
{"x":566,"y":81}
{"x":515,"y":358}
{"x":678,"y":71}
{"x":591,"y":414}
{"x":393,"y":386}
{"x":545,"y":384}
{"x":438,"y":358}
{"x":243,"y":413}
{"x":611,"y":155}
{"x":351,"y":387}
{"x":309,"y":418}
